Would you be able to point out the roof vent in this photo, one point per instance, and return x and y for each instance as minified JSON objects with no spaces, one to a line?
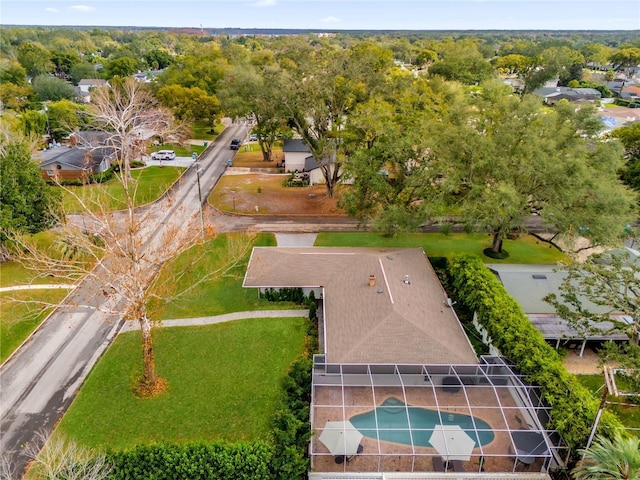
{"x":539,"y":276}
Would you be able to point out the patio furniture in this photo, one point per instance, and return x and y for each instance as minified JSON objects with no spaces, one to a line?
{"x":341,"y":438}
{"x":529,"y":445}
{"x":457,"y":465}
{"x":438,"y":464}
{"x":360,"y":450}
{"x":452,"y":442}
{"x":450,"y":384}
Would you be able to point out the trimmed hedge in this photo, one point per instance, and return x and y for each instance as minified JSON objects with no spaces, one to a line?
{"x":573,"y":407}
{"x":194,"y":461}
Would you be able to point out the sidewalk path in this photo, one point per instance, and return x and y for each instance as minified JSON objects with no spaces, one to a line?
{"x":38,"y":287}
{"x":227,"y":317}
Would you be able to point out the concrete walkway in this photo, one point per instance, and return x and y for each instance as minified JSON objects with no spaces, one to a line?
{"x":227,"y":317}
{"x":49,"y":286}
{"x":296,"y":239}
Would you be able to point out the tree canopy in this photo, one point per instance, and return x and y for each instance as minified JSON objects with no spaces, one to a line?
{"x":27,"y":203}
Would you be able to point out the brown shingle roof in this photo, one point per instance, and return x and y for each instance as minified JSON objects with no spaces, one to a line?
{"x":392,"y":322}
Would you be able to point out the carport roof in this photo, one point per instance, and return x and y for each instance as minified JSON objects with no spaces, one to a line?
{"x":392,"y":321}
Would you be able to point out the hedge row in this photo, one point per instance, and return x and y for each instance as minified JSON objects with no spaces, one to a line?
{"x":627,"y":103}
{"x":194,"y":461}
{"x":573,"y":407}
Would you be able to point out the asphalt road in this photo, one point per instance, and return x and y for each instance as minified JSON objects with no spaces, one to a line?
{"x":38,"y":383}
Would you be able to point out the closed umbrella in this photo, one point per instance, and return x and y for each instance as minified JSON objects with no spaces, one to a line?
{"x":341,"y":438}
{"x":452,"y":442}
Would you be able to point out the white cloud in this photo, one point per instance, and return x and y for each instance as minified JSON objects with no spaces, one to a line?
{"x":330,"y":19}
{"x":51,"y":10}
{"x":265,"y":3}
{"x":82,"y":8}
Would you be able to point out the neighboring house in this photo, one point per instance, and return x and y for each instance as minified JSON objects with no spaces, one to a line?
{"x":553,"y":95}
{"x":86,"y":155}
{"x":397,"y":364}
{"x":530,"y":284}
{"x":146,"y":76}
{"x":83,"y":90}
{"x":297,"y":157}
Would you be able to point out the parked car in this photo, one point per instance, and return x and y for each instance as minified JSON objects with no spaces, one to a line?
{"x":253,"y":137}
{"x":163,"y":155}
{"x":235,"y":144}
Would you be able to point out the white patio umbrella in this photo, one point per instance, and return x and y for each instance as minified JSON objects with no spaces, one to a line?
{"x":341,"y":438}
{"x":452,"y":442}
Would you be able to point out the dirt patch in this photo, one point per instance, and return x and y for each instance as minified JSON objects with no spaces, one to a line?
{"x":253,"y":159}
{"x":266,"y":194}
{"x":585,"y":365}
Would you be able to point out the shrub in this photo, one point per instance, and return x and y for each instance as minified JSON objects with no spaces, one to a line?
{"x":194,"y":461}
{"x":573,"y":408}
{"x":295,"y":295}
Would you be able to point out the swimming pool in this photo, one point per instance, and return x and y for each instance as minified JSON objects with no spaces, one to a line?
{"x":394,"y":418}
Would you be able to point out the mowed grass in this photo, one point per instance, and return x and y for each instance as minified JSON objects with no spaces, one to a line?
{"x":224,"y":382}
{"x":180,"y":150}
{"x":205,"y":131}
{"x":218,"y":295}
{"x":628,"y":413}
{"x":22,"y":312}
{"x":526,"y":249}
{"x":150,"y":184}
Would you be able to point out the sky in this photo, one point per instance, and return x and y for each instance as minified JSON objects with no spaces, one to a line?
{"x":330,"y":14}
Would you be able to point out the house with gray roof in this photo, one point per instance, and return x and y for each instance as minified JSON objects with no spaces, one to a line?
{"x":298,"y":158}
{"x":553,"y":95}
{"x":83,"y":90}
{"x":87,"y":154}
{"x":403,"y":317}
{"x":529,"y":284}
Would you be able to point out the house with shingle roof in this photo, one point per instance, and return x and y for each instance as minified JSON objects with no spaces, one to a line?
{"x":529,"y":284}
{"x":87,"y":154}
{"x":83,"y":90}
{"x":298,"y":158}
{"x":552,"y":95}
{"x":404,"y":317}
{"x":396,"y":359}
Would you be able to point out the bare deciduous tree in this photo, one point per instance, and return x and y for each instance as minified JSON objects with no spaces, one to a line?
{"x":128,"y":114}
{"x":59,"y":458}
{"x":119,"y":254}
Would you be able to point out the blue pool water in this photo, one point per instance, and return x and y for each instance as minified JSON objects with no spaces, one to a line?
{"x":393,"y":424}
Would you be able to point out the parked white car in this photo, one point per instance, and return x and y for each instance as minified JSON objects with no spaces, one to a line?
{"x":163,"y":155}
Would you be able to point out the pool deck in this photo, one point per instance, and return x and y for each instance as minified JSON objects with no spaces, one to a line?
{"x":496,"y":407}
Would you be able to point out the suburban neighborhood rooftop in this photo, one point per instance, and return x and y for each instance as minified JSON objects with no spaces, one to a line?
{"x":404,"y":317}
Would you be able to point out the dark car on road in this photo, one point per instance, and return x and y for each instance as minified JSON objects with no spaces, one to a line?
{"x":235,"y":144}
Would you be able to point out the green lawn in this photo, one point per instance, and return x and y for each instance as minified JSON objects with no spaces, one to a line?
{"x":217,"y":296}
{"x":152,"y":182}
{"x":21,"y":316}
{"x":181,"y":150}
{"x":629,"y":415}
{"x":224,"y":382}
{"x":202,"y":131}
{"x":526,"y":249}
